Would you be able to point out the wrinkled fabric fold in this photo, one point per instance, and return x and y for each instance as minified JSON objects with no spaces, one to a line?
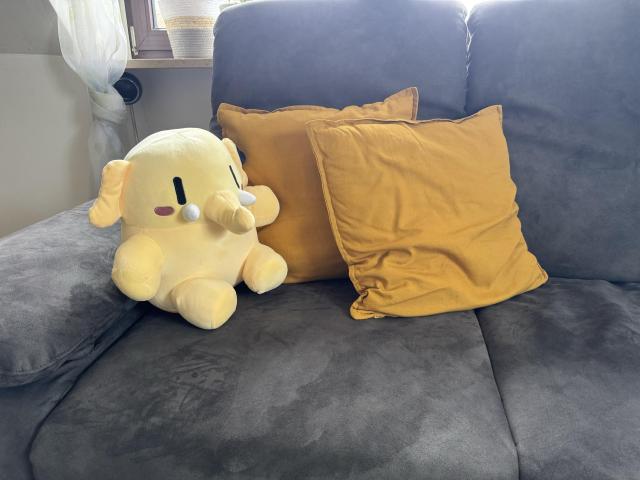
{"x":94,"y":45}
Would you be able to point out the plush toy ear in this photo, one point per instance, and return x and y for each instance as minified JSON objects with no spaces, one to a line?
{"x":233,"y":151}
{"x":105,"y":211}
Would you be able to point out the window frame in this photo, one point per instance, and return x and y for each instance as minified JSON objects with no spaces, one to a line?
{"x":146,"y":41}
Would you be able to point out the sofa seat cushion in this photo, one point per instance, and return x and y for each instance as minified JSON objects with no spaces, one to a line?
{"x":292,"y":388}
{"x":23,"y":408}
{"x":566,"y":358}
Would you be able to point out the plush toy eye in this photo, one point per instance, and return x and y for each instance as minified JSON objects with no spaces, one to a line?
{"x":180,"y":196}
{"x":234,"y":177}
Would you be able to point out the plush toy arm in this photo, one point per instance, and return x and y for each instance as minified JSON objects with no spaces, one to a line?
{"x":224,"y":208}
{"x":266,"y":208}
{"x":137,"y":267}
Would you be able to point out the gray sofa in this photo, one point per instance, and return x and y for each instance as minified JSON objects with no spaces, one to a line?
{"x":544,"y":386}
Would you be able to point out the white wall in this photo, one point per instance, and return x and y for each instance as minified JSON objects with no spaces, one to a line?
{"x":28,"y":26}
{"x":44,"y":118}
{"x":173,"y":98}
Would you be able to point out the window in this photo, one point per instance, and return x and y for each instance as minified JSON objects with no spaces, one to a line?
{"x":147,"y":32}
{"x":158,"y":21}
{"x":471,"y":3}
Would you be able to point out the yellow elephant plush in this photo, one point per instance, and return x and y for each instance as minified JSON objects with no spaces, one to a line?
{"x":188,"y":225}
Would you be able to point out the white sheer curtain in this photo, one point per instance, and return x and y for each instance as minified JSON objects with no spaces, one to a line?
{"x":93,"y":43}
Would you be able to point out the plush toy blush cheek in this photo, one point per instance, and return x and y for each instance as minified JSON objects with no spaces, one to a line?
{"x":163,"y":211}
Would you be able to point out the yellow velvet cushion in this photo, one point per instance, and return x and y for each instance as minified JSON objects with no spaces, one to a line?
{"x":278,"y":155}
{"x":424,"y":213}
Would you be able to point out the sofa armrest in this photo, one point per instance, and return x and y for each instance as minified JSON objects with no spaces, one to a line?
{"x":56,"y":294}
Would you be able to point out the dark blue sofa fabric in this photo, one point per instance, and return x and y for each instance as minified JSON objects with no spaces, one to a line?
{"x":568,"y":76}
{"x":276,"y":53}
{"x":566,"y":358}
{"x":58,"y":311}
{"x":290,"y":388}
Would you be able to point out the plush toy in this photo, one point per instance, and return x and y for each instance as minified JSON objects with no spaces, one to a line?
{"x":188,"y":225}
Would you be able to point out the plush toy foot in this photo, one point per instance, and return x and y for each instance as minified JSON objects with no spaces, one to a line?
{"x":204,"y":302}
{"x":264,"y":269}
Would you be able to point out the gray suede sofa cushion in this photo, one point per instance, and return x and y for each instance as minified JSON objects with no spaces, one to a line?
{"x":567,"y":360}
{"x":275,"y":53}
{"x":56,"y":294}
{"x":568,"y":76}
{"x":58,"y":312}
{"x":23,"y":408}
{"x":289,"y":388}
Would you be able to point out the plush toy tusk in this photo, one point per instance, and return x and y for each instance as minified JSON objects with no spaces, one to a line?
{"x":190,"y":212}
{"x":246,"y":198}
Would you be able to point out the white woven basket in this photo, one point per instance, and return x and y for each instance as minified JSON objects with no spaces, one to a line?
{"x":190,"y":26}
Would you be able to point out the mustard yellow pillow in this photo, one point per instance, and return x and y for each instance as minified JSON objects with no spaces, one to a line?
{"x":424,"y":213}
{"x":278,"y":155}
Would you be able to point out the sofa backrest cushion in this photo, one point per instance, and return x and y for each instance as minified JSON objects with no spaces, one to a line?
{"x":568,"y":76}
{"x":276,"y":53}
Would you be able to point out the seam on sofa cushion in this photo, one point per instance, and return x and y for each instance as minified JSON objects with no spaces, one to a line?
{"x":101,"y":343}
{"x":504,"y":410}
{"x":7,"y":375}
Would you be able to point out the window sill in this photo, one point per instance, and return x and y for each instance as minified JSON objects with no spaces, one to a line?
{"x":159,"y":63}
